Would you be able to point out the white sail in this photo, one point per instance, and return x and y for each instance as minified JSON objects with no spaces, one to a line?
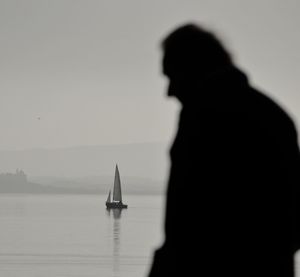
{"x":117,"y":194}
{"x":108,"y":198}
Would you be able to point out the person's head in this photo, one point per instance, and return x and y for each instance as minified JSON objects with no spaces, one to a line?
{"x":190,"y":54}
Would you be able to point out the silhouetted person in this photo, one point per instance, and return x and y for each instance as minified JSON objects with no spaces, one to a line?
{"x":233,"y":191}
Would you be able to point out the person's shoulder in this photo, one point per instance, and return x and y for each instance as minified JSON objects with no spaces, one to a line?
{"x":268,"y":109}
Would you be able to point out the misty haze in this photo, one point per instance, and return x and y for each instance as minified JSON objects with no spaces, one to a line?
{"x":82,"y":90}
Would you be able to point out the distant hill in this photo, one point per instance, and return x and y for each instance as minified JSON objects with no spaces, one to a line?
{"x":18,"y":183}
{"x":145,"y":160}
{"x":90,"y":169}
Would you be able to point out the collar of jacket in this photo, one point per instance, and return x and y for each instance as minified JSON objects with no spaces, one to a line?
{"x":225,"y":88}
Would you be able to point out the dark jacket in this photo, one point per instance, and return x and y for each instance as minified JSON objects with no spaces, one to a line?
{"x":233,"y":192}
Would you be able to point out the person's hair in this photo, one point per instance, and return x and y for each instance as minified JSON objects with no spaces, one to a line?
{"x":190,"y":48}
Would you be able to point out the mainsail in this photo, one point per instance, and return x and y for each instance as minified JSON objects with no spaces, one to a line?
{"x":117,"y":195}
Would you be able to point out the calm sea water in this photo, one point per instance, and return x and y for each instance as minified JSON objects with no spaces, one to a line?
{"x":58,"y":235}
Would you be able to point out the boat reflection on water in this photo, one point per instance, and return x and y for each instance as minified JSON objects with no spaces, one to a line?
{"x":116,"y":213}
{"x":116,"y":232}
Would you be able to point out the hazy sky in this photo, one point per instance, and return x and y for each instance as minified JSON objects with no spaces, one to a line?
{"x":88,"y":72}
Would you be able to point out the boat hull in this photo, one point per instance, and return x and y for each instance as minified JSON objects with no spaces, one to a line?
{"x":115,"y":205}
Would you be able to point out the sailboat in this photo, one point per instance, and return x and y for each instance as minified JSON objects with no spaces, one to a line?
{"x":116,"y":202}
